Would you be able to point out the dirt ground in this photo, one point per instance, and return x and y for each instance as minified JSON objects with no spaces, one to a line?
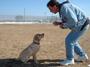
{"x":14,"y":38}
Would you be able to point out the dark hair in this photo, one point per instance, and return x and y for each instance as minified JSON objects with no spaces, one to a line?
{"x":52,"y":3}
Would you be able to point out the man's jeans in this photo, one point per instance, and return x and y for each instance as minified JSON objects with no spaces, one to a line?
{"x":72,"y":44}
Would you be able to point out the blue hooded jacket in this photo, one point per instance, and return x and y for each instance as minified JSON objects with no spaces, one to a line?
{"x":72,"y":16}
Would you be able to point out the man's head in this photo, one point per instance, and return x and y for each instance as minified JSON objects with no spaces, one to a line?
{"x":53,"y":6}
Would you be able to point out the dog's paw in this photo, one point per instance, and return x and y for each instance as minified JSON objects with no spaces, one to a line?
{"x":36,"y":62}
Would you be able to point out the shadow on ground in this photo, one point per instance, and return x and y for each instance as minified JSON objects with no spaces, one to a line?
{"x":17,"y":63}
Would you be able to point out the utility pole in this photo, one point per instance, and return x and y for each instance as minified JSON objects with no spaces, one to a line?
{"x":24,"y":15}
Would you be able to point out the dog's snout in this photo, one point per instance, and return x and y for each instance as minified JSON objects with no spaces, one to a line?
{"x":43,"y":34}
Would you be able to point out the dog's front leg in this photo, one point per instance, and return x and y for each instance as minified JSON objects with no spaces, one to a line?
{"x":35,"y":59}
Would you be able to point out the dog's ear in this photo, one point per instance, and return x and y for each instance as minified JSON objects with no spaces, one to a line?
{"x":36,"y":38}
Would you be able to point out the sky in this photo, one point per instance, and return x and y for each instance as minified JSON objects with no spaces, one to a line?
{"x":35,"y":7}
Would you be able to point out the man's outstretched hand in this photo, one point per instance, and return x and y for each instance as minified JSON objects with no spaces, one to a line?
{"x":60,"y":24}
{"x":56,"y":23}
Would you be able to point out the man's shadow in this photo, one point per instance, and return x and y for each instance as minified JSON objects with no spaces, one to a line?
{"x":17,"y":63}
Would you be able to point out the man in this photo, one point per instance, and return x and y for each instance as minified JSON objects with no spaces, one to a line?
{"x":74,"y":19}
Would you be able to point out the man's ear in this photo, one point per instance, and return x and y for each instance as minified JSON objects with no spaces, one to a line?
{"x":55,"y":6}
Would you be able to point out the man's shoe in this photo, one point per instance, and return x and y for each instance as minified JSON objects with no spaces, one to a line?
{"x":67,"y":62}
{"x":83,"y":58}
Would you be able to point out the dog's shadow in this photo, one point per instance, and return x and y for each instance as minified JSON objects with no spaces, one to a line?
{"x":17,"y":63}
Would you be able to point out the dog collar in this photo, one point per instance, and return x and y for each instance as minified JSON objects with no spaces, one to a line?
{"x":36,"y":43}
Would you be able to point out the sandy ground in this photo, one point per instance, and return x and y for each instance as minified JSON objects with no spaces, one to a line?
{"x":14,"y":38}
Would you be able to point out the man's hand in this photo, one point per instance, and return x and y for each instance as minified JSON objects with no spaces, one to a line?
{"x":57,"y":23}
{"x":60,"y":24}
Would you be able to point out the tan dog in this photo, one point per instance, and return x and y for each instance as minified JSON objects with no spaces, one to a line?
{"x":32,"y":49}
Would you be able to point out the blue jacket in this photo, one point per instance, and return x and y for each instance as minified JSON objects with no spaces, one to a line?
{"x":72,"y":16}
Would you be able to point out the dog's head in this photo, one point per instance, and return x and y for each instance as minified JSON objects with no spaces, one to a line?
{"x":38,"y":37}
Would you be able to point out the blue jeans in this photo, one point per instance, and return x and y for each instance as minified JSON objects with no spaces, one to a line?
{"x":72,"y":43}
